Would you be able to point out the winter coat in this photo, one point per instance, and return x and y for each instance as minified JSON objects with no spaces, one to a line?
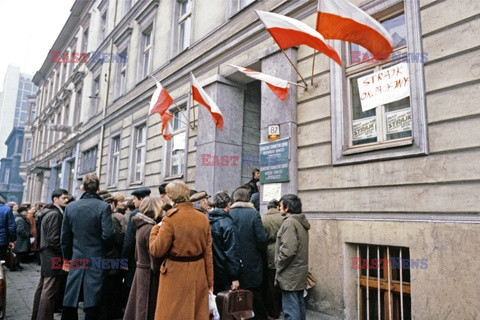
{"x":183,"y":290}
{"x":272,"y":221}
{"x":143,"y":295}
{"x":50,"y":246}
{"x":33,"y":231}
{"x":251,"y":239}
{"x":87,"y":233}
{"x":253,"y":185}
{"x":8,"y":227}
{"x":22,"y":245}
{"x":128,"y":250}
{"x":116,"y":251}
{"x":291,"y":253}
{"x":226,"y":262}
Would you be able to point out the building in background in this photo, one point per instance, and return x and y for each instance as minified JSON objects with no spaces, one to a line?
{"x":17,"y":87}
{"x":389,"y":183}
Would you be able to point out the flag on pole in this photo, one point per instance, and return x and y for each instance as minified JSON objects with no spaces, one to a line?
{"x":160,"y":101}
{"x":278,"y":86}
{"x":289,"y":32}
{"x":166,"y":128}
{"x":341,"y":20}
{"x":203,"y":98}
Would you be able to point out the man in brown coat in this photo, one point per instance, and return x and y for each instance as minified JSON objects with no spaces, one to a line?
{"x":186,"y":275}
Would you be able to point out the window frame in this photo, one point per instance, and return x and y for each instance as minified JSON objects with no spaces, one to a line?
{"x":342,"y":152}
{"x":144,"y":50}
{"x":183,"y":104}
{"x":114,"y":156}
{"x":135,"y":147}
{"x":122,"y":68}
{"x":89,"y":160}
{"x":95,"y":95}
{"x":179,"y":20}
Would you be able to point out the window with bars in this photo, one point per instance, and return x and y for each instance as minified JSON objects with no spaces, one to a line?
{"x":184,"y":23}
{"x":138,"y":159}
{"x":89,"y":160}
{"x":114,"y":161}
{"x":367,"y":123}
{"x":383,"y":282}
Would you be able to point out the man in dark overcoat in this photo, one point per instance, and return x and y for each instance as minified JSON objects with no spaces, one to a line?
{"x":87,"y":233}
{"x":50,"y":257}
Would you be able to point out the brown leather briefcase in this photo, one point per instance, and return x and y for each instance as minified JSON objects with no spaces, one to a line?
{"x":235,"y":305}
{"x":10,"y":259}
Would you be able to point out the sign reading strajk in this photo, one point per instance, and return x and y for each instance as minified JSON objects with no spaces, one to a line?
{"x":364,"y":128}
{"x":399,"y":121}
{"x":274,"y":161}
{"x":384,"y":86}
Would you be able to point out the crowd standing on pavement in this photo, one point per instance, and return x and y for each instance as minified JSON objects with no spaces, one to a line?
{"x":159,"y":257}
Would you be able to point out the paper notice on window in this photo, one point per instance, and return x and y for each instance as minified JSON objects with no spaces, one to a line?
{"x":399,"y":121}
{"x":178,"y":141}
{"x":272,"y":191}
{"x":364,"y":128}
{"x":384,"y":86}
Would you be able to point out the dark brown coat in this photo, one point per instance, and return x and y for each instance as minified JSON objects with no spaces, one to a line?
{"x":183,"y":289}
{"x":143,"y":295}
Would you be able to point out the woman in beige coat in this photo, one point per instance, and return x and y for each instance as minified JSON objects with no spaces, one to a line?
{"x":184,"y":239}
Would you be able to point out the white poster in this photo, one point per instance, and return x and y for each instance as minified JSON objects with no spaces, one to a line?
{"x":272,"y":191}
{"x":384,"y":86}
{"x":399,"y":121}
{"x":179,"y":141}
{"x":364,"y":128}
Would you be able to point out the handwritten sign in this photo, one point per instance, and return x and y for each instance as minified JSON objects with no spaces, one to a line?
{"x":364,"y":128}
{"x":384,"y":86}
{"x":399,"y":121}
{"x":272,"y":191}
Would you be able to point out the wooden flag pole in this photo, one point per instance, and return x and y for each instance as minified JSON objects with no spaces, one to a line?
{"x":313,"y":66}
{"x":294,"y":83}
{"x":286,"y":56}
{"x":154,"y":78}
{"x":179,"y":109}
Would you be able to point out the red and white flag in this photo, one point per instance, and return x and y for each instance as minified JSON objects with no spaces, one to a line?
{"x":203,"y":98}
{"x":341,"y":20}
{"x":289,"y":32}
{"x":166,"y":128}
{"x":160,"y":101}
{"x":277,"y":85}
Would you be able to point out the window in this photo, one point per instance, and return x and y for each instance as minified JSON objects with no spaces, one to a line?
{"x":84,"y":42}
{"x":89,"y":160}
{"x":122,"y":73}
{"x":184,"y":24}
{"x":146,"y":53}
{"x":114,"y":161}
{"x":127,"y":5}
{"x":78,"y":107}
{"x":28,"y":150}
{"x":362,"y":131}
{"x":58,"y":122}
{"x":103,"y":26}
{"x":58,"y":177}
{"x":33,"y":110}
{"x":71,"y":173}
{"x":244,"y":3}
{"x":6,"y":178}
{"x":383,"y":281}
{"x":138,"y":159}
{"x":66,"y":115}
{"x":95,"y":97}
{"x":176,"y":146}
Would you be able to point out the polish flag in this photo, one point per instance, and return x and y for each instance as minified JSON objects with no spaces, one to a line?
{"x":166,"y":128}
{"x":160,"y":101}
{"x":289,"y":32}
{"x":203,"y":98}
{"x":341,"y":20}
{"x":277,"y":85}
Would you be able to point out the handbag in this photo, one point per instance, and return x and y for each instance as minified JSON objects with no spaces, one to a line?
{"x":10,"y":259}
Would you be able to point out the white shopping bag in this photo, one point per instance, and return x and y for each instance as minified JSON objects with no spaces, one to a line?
{"x":212,"y":306}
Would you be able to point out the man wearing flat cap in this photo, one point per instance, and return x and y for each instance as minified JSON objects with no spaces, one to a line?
{"x":200,"y":201}
{"x":128,"y":250}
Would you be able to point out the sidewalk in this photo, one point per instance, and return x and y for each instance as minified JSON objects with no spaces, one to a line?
{"x":21,"y":286}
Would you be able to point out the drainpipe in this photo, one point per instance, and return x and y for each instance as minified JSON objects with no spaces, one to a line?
{"x":102,"y":129}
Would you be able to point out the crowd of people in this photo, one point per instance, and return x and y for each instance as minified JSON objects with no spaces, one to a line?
{"x":158,"y":257}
